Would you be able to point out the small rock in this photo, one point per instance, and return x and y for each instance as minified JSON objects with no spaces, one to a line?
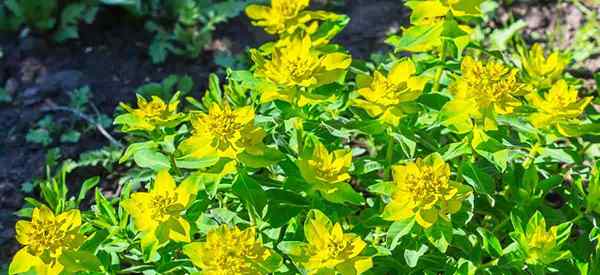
{"x":52,"y":84}
{"x":66,"y":80}
{"x":31,"y":68}
{"x":11,"y":86}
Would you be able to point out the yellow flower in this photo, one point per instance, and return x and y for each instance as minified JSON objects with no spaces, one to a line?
{"x":324,"y":167}
{"x":484,"y":90}
{"x":45,"y":238}
{"x":223,"y":132}
{"x":389,"y":97}
{"x":295,"y":65}
{"x":158,"y":212}
{"x":558,"y":105}
{"x":432,"y":22}
{"x":150,"y":114}
{"x":286,"y":16}
{"x":328,"y":173}
{"x":541,"y":246}
{"x":542,"y":71}
{"x":423,"y":190}
{"x":232,"y":251}
{"x":329,"y":249}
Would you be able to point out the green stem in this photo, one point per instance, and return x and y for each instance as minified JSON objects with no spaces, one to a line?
{"x":175,"y":168}
{"x":300,"y":141}
{"x":440,"y":69}
{"x":389,"y":154}
{"x":500,"y":225}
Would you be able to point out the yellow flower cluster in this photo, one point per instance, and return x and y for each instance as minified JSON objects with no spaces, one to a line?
{"x":223,"y":132}
{"x":484,"y":90}
{"x":423,"y":190}
{"x":559,"y":105}
{"x":539,"y":245}
{"x":229,"y":250}
{"x":287,"y":16}
{"x":296,"y":66}
{"x":390,"y":97}
{"x":328,"y":173}
{"x":541,"y":71}
{"x":157,"y":214}
{"x":150,"y":114}
{"x":329,"y":250}
{"x":45,"y":238}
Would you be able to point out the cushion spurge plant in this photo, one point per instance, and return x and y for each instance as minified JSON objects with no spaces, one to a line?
{"x":313,"y":162}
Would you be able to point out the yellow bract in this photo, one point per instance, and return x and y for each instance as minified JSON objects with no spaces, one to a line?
{"x":44,"y":239}
{"x":229,"y":251}
{"x":295,"y":66}
{"x":150,"y":114}
{"x":484,"y":90}
{"x":324,"y":167}
{"x":542,"y":71}
{"x":423,"y":190}
{"x":560,"y":104}
{"x":539,"y":243}
{"x":158,"y":212}
{"x":329,"y":249}
{"x":286,"y":16}
{"x":223,"y":132}
{"x":389,"y":97}
{"x":541,"y":246}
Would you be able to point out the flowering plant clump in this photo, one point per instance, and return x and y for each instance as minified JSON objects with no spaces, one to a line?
{"x":311,"y":161}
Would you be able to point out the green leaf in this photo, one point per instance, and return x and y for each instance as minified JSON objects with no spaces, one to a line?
{"x":383,"y":188}
{"x":397,"y":230}
{"x":269,"y":157}
{"x":79,"y":261}
{"x":456,"y":149}
{"x":284,"y":205}
{"x":87,"y":186}
{"x":418,"y":38}
{"x":343,"y":193}
{"x":440,"y":235}
{"x":188,"y":162}
{"x":70,"y":136}
{"x":491,"y":244}
{"x":412,"y":256}
{"x":104,"y":209}
{"x":248,"y":189}
{"x":4,"y":96}
{"x":133,"y":148}
{"x":152,"y":159}
{"x":39,"y":136}
{"x":481,"y":181}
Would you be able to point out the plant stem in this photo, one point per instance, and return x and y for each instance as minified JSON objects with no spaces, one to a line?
{"x":389,"y":154}
{"x":175,"y":168}
{"x":440,"y":69}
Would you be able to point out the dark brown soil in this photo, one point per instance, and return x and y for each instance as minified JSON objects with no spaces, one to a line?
{"x":111,"y":57}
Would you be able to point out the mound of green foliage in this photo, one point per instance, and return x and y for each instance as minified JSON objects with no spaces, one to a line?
{"x":453,"y":160}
